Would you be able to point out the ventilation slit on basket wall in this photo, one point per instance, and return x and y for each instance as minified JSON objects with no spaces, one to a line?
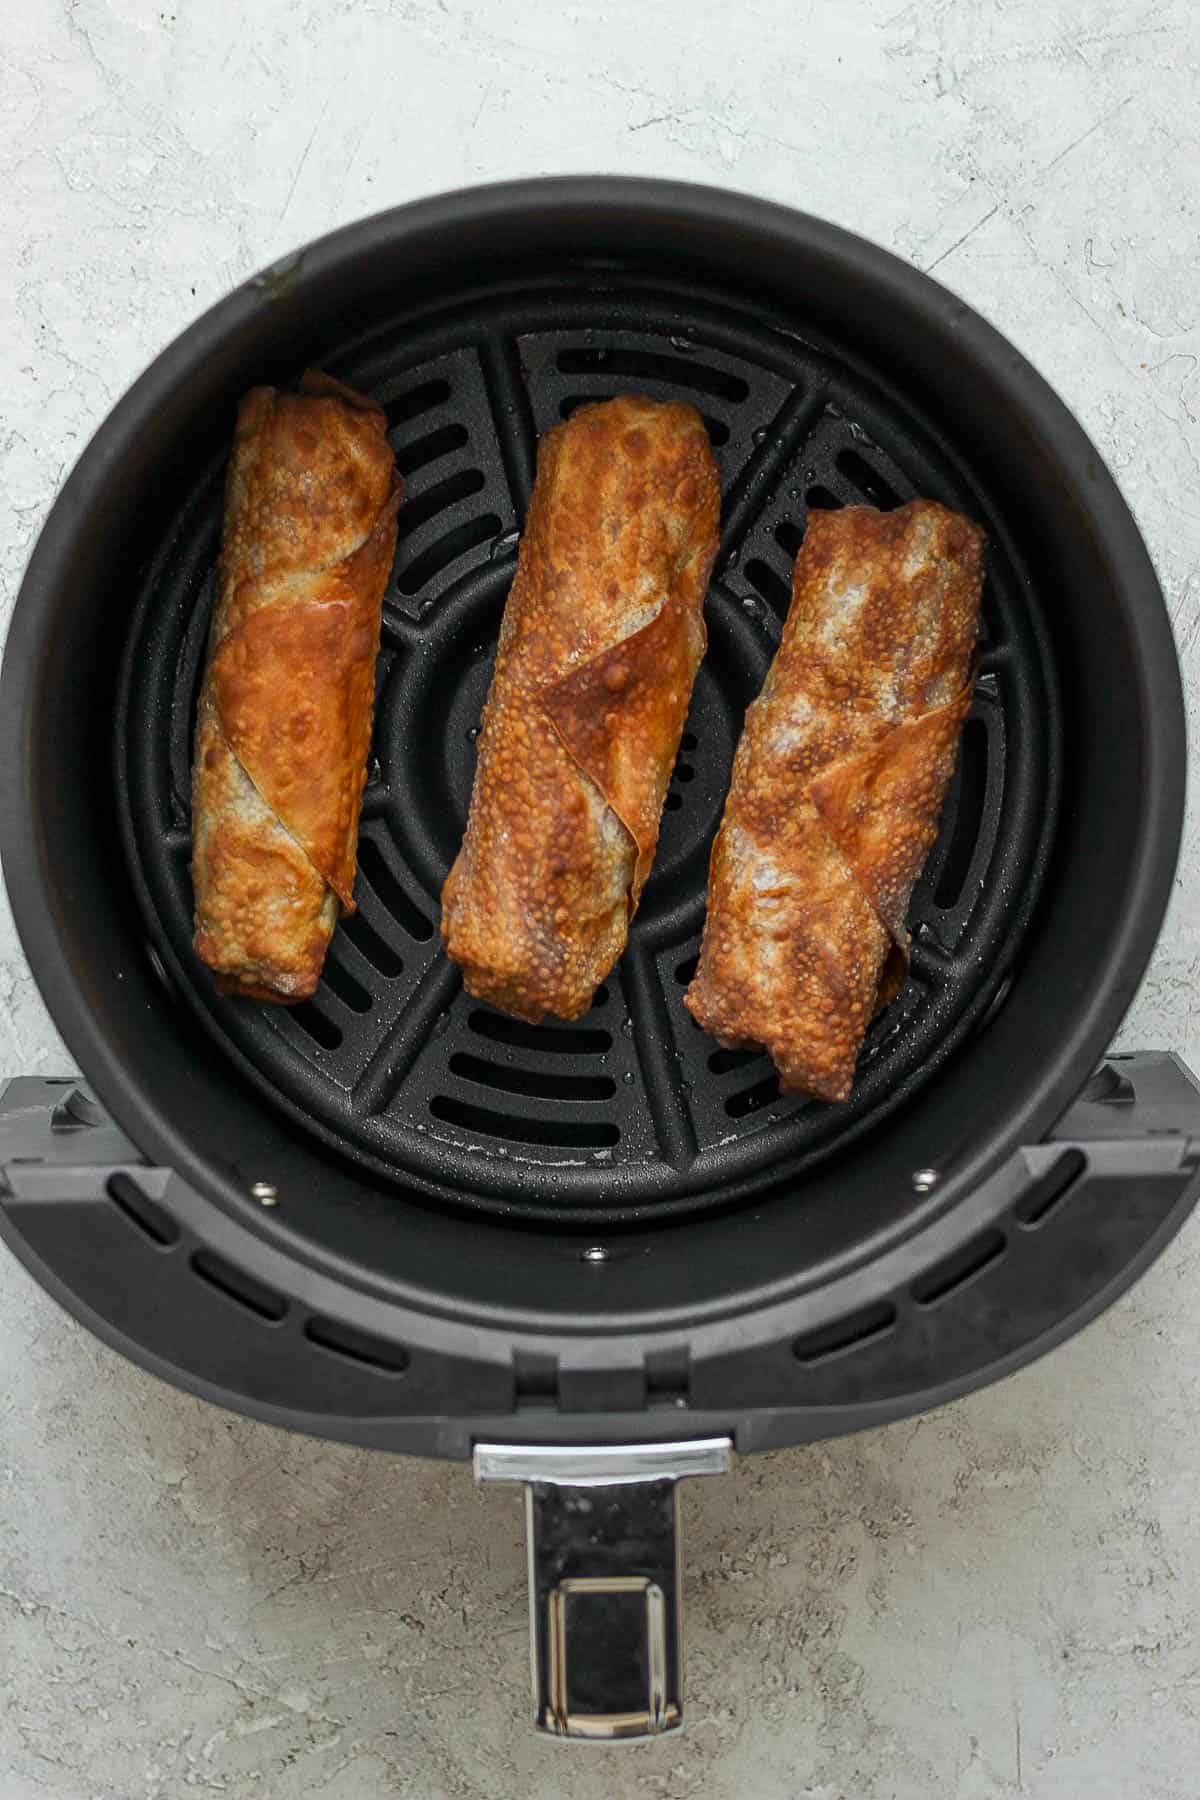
{"x":955,"y":1271}
{"x":237,"y":1285}
{"x":149,"y":1217}
{"x":1050,"y":1189}
{"x":849,"y":1333}
{"x":357,"y":1346}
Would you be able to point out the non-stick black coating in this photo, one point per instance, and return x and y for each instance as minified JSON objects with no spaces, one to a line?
{"x":1075,"y":968}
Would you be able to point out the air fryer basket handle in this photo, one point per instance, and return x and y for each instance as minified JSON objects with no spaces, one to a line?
{"x":605,"y":1577}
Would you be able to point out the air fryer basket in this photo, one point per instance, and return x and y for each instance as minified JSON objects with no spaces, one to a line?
{"x":396,"y":1216}
{"x":633,"y":1110}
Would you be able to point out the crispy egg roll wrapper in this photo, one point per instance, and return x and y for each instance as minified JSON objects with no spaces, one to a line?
{"x":837,"y":789}
{"x":602,"y":636}
{"x":284,"y":720}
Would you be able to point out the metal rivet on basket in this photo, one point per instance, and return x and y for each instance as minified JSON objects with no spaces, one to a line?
{"x":595,"y":1253}
{"x":265,"y":1194}
{"x":924,"y":1179}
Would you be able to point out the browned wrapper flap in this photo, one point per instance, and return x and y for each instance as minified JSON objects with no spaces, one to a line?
{"x":316,"y":381}
{"x":882,"y":810}
{"x":621,"y":716}
{"x":882,"y":807}
{"x":293,"y":682}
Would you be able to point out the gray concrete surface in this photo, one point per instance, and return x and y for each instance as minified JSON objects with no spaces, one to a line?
{"x":996,"y":1600}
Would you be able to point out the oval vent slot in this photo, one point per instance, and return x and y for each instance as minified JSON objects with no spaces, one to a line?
{"x":315,"y":1025}
{"x":701,"y":377}
{"x":416,"y":401}
{"x":341,"y":982}
{"x":423,"y":507}
{"x":373,"y":866}
{"x":1051,"y":1189}
{"x":357,"y":1346}
{"x":869,"y":482}
{"x":427,"y":449}
{"x":367,"y":941}
{"x":237,"y":1285}
{"x":955,"y":1271}
{"x":849,"y":1333}
{"x":511,"y":1079}
{"x":579,"y":1134}
{"x":554,"y":1040}
{"x":149,"y":1217}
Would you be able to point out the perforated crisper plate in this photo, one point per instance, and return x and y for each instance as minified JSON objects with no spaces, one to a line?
{"x":633,"y":1106}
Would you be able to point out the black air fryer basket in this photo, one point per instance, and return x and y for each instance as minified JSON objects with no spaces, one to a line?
{"x":594,"y":1256}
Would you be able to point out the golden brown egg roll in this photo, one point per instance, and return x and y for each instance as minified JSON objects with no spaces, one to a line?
{"x":837,"y":789}
{"x":284,"y":720}
{"x":602,"y":635}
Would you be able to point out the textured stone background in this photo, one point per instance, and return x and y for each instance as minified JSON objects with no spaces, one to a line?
{"x":999,"y":1599}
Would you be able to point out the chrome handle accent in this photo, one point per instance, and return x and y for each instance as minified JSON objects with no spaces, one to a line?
{"x":605,"y":1579}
